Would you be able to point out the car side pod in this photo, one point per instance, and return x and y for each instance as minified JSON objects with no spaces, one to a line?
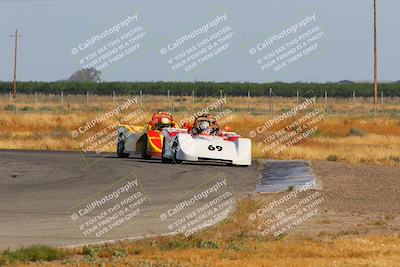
{"x":152,"y":144}
{"x":155,"y":140}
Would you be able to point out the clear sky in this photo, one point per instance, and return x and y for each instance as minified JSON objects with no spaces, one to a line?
{"x":51,"y":28}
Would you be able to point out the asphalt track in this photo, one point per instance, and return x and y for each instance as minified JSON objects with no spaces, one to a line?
{"x":38,"y":189}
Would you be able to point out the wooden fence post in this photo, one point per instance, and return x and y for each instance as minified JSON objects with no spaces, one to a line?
{"x":270,"y":100}
{"x":326,"y":101}
{"x":248,"y":101}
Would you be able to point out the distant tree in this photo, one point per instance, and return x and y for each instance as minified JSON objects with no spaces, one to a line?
{"x":86,"y":75}
{"x":345,"y":82}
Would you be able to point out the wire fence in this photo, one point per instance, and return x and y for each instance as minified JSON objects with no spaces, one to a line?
{"x":269,"y":104}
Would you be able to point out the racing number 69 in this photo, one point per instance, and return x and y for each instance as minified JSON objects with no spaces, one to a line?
{"x":212,"y":148}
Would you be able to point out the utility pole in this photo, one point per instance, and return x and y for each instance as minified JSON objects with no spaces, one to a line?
{"x":248,"y":101}
{"x":222,"y":104}
{"x":169,"y":102}
{"x":326,"y":101}
{"x":270,"y":100}
{"x":375,"y":63}
{"x":15,"y":67}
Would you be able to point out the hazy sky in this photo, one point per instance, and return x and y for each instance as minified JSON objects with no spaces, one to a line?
{"x":50,"y":29}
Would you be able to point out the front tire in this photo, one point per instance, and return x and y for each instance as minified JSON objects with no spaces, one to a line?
{"x":145,"y":155}
{"x":174,"y":159}
{"x":121,"y":148}
{"x":164,"y":159}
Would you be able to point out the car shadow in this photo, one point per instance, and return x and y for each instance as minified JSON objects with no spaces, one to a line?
{"x":158,"y":160}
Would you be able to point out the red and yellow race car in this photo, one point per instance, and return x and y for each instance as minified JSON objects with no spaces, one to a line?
{"x":146,"y":141}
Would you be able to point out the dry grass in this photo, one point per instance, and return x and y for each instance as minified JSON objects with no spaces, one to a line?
{"x":47,"y":125}
{"x":235,"y":243}
{"x":371,"y":251}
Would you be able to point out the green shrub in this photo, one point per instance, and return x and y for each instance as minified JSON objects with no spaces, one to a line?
{"x":356,"y":132}
{"x":174,"y":244}
{"x":91,"y":253}
{"x":120,"y":253}
{"x":395,"y":158}
{"x":236,"y":247}
{"x":45,"y":109}
{"x":27,"y":108}
{"x":9,"y":108}
{"x":33,"y":253}
{"x":209,"y":244}
{"x":332,"y":158}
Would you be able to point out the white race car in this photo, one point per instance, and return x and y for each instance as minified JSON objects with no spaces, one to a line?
{"x":205,"y":143}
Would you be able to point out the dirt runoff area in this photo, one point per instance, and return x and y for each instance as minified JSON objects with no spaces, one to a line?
{"x":352,"y":200}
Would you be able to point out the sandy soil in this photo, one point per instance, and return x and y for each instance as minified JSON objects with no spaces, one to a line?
{"x":353,"y":200}
{"x":358,"y":199}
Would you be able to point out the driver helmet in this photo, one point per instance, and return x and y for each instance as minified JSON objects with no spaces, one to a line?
{"x":165,"y":121}
{"x":204,"y":125}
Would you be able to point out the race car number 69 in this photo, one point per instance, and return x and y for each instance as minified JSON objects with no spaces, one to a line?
{"x":212,"y":148}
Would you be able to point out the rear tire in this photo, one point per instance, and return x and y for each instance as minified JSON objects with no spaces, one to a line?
{"x":145,"y":155}
{"x":164,"y":159}
{"x":121,"y":148}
